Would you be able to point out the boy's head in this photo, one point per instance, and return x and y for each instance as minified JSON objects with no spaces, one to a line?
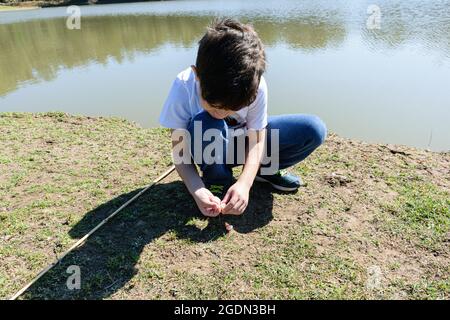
{"x":230,"y":62}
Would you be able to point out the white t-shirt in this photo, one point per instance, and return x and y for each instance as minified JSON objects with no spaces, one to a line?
{"x":183,"y":103}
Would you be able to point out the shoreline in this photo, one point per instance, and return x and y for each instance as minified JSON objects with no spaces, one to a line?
{"x":4,"y":8}
{"x":29,"y":5}
{"x":367,"y":209}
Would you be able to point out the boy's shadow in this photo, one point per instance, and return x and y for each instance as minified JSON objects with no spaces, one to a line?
{"x":107,"y":259}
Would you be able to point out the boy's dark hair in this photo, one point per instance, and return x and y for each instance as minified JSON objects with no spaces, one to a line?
{"x":230,"y":62}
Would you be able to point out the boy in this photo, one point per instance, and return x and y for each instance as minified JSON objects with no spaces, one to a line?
{"x":226,"y":89}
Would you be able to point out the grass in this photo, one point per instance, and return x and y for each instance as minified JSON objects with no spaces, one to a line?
{"x":61,"y":174}
{"x":11,"y":8}
{"x":422,"y":211}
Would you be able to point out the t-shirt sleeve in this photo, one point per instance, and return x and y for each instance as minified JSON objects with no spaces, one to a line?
{"x":175,"y":112}
{"x":257,"y":111}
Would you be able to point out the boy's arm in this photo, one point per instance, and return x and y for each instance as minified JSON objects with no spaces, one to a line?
{"x":208,"y":204}
{"x":236,"y":199}
{"x":256,"y":139}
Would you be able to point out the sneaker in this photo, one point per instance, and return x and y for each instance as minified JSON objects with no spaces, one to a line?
{"x":282,"y":180}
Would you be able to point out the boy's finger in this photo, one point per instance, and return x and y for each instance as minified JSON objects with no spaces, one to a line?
{"x":228,"y":207}
{"x":208,"y":205}
{"x":242,"y":207}
{"x":230,"y":204}
{"x":227,"y":197}
{"x":216,"y":209}
{"x":211,"y":212}
{"x":216,"y":212}
{"x":210,"y":202}
{"x":216,"y":200}
{"x":238,"y":204}
{"x":213,"y":199}
{"x":235,"y":210}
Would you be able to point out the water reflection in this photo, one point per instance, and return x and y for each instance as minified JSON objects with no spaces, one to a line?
{"x":36,"y":50}
{"x":386,"y":85}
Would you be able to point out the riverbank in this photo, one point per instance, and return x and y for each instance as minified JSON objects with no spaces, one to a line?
{"x":373,"y":221}
{"x":4,"y":8}
{"x":27,"y":5}
{"x":24,"y":5}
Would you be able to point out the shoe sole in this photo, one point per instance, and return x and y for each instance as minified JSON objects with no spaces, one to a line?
{"x":276,"y":186}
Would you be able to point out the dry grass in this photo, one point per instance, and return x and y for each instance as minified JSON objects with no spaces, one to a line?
{"x":12,"y":8}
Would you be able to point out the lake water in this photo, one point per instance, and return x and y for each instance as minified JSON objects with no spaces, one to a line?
{"x":383,"y":82}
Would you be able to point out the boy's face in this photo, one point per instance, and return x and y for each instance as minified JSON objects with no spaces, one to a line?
{"x":214,"y":112}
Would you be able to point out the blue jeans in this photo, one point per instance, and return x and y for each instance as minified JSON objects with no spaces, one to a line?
{"x":299,"y":136}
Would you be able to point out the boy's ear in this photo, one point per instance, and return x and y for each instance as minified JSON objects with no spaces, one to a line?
{"x":195,"y":71}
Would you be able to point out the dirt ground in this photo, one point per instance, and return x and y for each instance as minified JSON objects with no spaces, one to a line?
{"x":372,"y":222}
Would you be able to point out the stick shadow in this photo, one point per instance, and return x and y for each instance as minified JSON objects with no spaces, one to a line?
{"x":107,"y":260}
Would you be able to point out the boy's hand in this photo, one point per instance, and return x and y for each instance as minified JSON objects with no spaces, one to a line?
{"x":236,"y":200}
{"x":208,"y":204}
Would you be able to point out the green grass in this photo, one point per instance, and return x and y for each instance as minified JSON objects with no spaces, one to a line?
{"x":422,"y":211}
{"x":60,"y":175}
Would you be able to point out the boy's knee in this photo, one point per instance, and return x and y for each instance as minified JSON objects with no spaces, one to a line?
{"x":202,"y":122}
{"x":318,"y":130}
{"x":313,"y":129}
